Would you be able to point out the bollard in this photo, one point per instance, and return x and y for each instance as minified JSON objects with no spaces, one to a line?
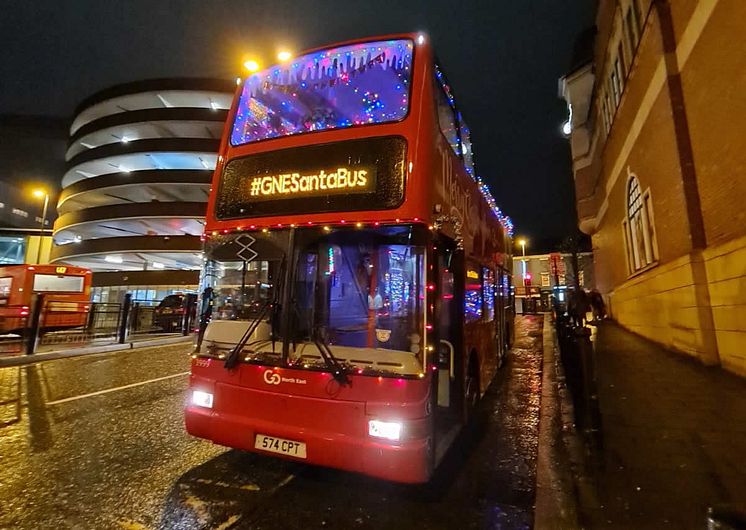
{"x":123,"y":323}
{"x":34,"y":328}
{"x":135,"y":318}
{"x":587,"y":374}
{"x":89,"y":326}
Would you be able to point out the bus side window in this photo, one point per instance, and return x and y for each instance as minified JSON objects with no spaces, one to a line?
{"x":488,"y":288}
{"x":465,"y":135}
{"x":446,"y":116}
{"x":473,"y":295}
{"x":5,"y":284}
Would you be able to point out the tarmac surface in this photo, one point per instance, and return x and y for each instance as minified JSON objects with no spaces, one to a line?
{"x":98,"y":442}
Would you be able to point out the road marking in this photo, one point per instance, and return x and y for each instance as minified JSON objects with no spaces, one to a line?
{"x":283,"y":483}
{"x":100,"y":392}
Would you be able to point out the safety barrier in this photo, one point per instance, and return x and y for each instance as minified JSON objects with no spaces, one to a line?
{"x":50,"y":322}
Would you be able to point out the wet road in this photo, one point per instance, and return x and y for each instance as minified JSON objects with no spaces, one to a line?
{"x":98,"y":442}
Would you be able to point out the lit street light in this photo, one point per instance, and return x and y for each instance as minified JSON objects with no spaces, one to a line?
{"x":523,"y":242}
{"x":251,"y":65}
{"x":39,"y":194}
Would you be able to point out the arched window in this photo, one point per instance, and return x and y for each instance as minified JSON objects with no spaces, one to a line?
{"x":639,"y":232}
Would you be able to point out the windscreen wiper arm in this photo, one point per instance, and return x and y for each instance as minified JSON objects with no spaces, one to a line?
{"x":337,"y":369}
{"x":232,"y":360}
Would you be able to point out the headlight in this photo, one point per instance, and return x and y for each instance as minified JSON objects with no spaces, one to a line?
{"x":390,"y":430}
{"x":202,"y":399}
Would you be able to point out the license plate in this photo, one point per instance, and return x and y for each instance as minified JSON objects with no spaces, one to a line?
{"x":280,"y":445}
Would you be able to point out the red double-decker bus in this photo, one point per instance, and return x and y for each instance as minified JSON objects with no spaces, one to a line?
{"x":357,"y":273}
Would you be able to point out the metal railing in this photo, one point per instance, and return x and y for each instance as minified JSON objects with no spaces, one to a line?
{"x":50,"y":322}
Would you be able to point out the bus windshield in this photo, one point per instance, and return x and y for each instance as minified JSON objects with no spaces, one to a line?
{"x":358,"y":84}
{"x":362,"y":293}
{"x":359,"y":292}
{"x":242,"y":270}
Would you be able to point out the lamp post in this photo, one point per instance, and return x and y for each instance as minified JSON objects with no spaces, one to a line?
{"x":526,"y":277}
{"x":522,"y":242}
{"x":39,"y":194}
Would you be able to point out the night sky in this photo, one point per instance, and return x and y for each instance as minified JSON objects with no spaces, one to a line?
{"x":503,"y":58}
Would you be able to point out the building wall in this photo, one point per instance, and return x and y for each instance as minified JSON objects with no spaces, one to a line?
{"x":692,"y":298}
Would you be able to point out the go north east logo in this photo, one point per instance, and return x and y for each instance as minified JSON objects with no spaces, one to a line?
{"x":321,"y":183}
{"x":273,"y":378}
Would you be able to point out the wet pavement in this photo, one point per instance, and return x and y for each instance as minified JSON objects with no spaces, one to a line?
{"x":98,"y":442}
{"x":670,"y":439}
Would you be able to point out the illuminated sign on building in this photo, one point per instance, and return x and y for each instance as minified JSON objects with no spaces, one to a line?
{"x":339,"y":180}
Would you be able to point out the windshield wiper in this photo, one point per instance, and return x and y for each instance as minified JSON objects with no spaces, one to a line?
{"x":338,"y":371}
{"x":232,"y":360}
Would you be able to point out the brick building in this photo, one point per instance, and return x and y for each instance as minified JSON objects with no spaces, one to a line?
{"x":536,"y":279}
{"x":658,"y":140}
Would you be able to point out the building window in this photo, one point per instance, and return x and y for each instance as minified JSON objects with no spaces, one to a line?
{"x":636,"y":17}
{"x":639,"y":235}
{"x":607,"y":113}
{"x":620,"y":65}
{"x":12,"y":250}
{"x":630,"y":28}
{"x":616,"y":88}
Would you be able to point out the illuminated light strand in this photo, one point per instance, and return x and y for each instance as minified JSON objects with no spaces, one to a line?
{"x":503,"y":219}
{"x":327,"y":226}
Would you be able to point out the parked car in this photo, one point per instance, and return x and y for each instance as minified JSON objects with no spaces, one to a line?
{"x":169,"y":314}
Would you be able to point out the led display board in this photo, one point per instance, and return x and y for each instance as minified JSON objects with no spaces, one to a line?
{"x":352,"y":175}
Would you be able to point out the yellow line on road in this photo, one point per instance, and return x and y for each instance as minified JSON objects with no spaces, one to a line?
{"x":100,"y":392}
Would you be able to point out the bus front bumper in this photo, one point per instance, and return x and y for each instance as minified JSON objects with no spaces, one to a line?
{"x":407,"y":461}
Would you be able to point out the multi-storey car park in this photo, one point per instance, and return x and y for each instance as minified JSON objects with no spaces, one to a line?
{"x":134,"y":191}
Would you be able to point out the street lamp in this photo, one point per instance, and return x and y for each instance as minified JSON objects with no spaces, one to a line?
{"x":39,"y":194}
{"x":251,"y":65}
{"x":523,"y":242}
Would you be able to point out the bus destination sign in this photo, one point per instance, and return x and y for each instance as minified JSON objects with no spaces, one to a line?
{"x":321,"y":182}
{"x":351,"y":175}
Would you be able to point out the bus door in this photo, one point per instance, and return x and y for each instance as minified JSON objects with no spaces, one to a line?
{"x":449,"y":274}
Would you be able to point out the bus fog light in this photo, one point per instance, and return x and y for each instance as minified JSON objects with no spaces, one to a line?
{"x":390,"y":430}
{"x":202,"y":399}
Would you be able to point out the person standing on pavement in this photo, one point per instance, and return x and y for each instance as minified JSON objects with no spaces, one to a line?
{"x":578,"y":307}
{"x":597,"y":303}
